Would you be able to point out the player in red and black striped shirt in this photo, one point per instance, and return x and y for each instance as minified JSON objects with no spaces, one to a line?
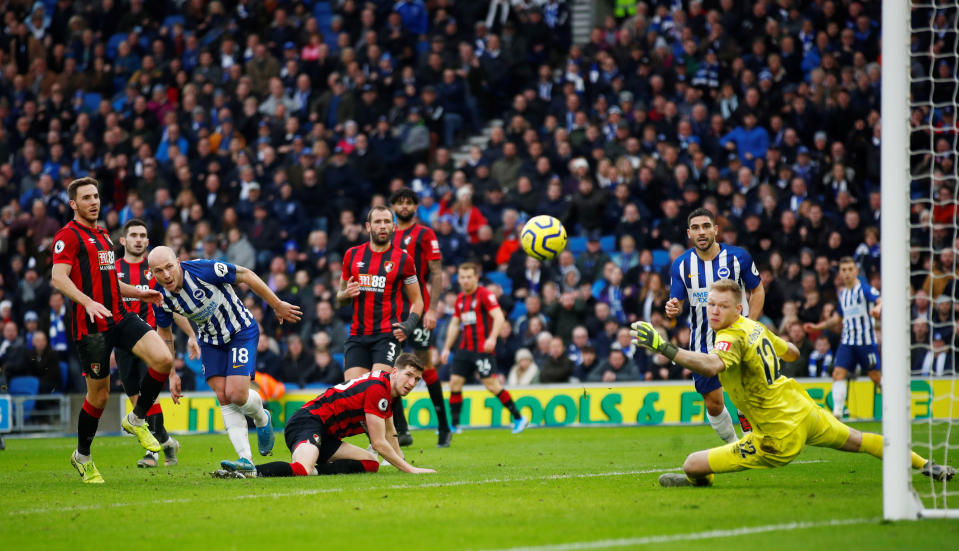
{"x":477,"y":320}
{"x":420,"y":242}
{"x":84,"y":271}
{"x":378,"y":279}
{"x":133,"y":269}
{"x":314,"y":433}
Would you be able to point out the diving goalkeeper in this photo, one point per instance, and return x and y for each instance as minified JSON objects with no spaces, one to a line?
{"x":746,"y":357}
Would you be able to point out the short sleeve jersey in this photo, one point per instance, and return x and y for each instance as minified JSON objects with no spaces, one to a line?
{"x":420,"y":242}
{"x":343,"y":407}
{"x":476,"y":322}
{"x":382,"y":276}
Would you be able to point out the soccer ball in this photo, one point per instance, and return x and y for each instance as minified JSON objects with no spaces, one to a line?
{"x":543,"y":237}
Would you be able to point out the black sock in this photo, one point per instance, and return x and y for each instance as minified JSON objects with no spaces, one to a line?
{"x":86,"y":429}
{"x":347,"y":466}
{"x":155,"y":423}
{"x":436,"y":396}
{"x":456,"y":406}
{"x":399,"y":416}
{"x":276,"y":468}
{"x":508,"y":403}
{"x":150,"y":388}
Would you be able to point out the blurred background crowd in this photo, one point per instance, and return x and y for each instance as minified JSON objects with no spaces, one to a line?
{"x":260,"y":132}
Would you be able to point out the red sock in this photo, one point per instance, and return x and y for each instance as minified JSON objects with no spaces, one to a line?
{"x":430,"y":376}
{"x":92,"y":411}
{"x":155,"y":409}
{"x":504,"y":397}
{"x":370,"y":466}
{"x":298,"y":470}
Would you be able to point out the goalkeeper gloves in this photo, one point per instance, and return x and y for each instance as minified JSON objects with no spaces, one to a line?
{"x":645,"y":335}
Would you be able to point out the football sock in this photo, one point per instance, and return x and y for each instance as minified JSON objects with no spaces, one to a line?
{"x":704,"y":481}
{"x":150,"y":388}
{"x":155,"y":423}
{"x":723,"y":425}
{"x":87,"y":424}
{"x":237,"y":430}
{"x":281,"y":468}
{"x":872,"y":444}
{"x":435,"y":388}
{"x":348,"y":466}
{"x":838,"y":397}
{"x":456,"y":406}
{"x":399,"y":416}
{"x":254,"y":409}
{"x":507,"y":401}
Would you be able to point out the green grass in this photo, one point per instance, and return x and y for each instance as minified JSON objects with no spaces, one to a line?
{"x":493,"y":490}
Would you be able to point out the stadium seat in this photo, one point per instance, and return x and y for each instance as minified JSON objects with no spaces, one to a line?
{"x":339,"y":357}
{"x":25,"y":386}
{"x":660,"y":258}
{"x":322,"y":8}
{"x":91,"y":102}
{"x":113,"y":43}
{"x":576,"y":245}
{"x":501,"y":279}
{"x":170,"y":21}
{"x":608,"y":243}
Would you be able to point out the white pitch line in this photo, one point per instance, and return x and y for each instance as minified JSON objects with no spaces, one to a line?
{"x":669,"y":538}
{"x":315,"y":491}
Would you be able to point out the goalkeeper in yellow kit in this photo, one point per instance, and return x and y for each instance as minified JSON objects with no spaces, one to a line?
{"x":747,"y":359}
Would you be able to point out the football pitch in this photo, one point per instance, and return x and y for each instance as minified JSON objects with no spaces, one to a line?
{"x":549,"y":489}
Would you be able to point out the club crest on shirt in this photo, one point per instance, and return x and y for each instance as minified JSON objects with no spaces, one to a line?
{"x":388,"y":266}
{"x":406,"y":240}
{"x":95,"y":368}
{"x":723,"y":272}
{"x":198,"y":294}
{"x":147,"y":274}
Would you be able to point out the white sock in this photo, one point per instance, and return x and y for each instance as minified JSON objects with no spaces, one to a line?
{"x":838,"y":397}
{"x":237,"y":431}
{"x":723,"y":425}
{"x":254,"y":408}
{"x":134,"y":420}
{"x":80,"y":457}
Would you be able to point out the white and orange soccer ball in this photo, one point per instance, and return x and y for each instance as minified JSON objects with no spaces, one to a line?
{"x":543,"y":237}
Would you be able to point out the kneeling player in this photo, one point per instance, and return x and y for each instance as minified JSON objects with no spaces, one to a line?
{"x":746,"y":357}
{"x":314,"y":433}
{"x":482,"y":319}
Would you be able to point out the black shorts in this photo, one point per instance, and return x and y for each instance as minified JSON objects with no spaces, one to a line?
{"x":366,"y":350}
{"x":421,"y":339}
{"x":132,"y":370}
{"x":309,"y":428}
{"x":466,"y":362}
{"x":94,"y":349}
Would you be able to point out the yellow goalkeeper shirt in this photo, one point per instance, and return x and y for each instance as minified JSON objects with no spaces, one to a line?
{"x":775,"y":404}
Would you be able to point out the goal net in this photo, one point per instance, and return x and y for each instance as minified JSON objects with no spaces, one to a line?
{"x":920,"y":238}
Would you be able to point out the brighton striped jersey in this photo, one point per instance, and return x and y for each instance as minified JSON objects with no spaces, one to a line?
{"x":691,"y":277}
{"x":207,"y":299}
{"x":853,"y":306}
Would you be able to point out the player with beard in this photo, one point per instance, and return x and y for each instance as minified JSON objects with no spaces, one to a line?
{"x":133,"y":270}
{"x":379,"y":279}
{"x":84,"y":270}
{"x":692,"y":273}
{"x":419,"y":241}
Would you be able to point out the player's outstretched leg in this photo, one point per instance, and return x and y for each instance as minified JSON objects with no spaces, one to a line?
{"x":871,"y":443}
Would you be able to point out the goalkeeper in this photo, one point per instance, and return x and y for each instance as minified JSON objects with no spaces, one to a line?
{"x":746,"y":357}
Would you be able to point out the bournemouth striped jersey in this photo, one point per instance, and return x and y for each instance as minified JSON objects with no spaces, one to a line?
{"x":691,"y":277}
{"x":420,"y":242}
{"x":89,"y":252}
{"x":853,"y":305}
{"x":473,"y":310}
{"x":207,"y":299}
{"x":343,"y":407}
{"x":139,"y":275}
{"x":381,"y":277}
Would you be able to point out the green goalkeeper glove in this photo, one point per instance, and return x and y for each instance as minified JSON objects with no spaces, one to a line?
{"x":645,"y":335}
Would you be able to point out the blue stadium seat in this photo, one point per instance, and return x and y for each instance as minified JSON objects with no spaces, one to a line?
{"x":608,"y":243}
{"x":113,"y":43}
{"x":170,"y":21}
{"x":91,"y":102}
{"x":660,"y":258}
{"x":25,"y":386}
{"x":322,"y":8}
{"x":576,"y":245}
{"x":501,"y":279}
{"x":519,"y":310}
{"x":340,"y":357}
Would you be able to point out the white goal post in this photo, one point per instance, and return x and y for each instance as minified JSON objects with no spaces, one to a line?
{"x":901,"y":501}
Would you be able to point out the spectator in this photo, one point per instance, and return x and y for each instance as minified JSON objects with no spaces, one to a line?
{"x":524,"y":371}
{"x":326,"y":370}
{"x":821,"y":358}
{"x":297,"y":365}
{"x":617,"y":368}
{"x":556,"y":367}
{"x":42,"y":362}
{"x":325,"y":321}
{"x":801,"y":366}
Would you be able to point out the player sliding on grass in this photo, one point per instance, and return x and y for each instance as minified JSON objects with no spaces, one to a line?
{"x":746,"y":357}
{"x":314,"y":434}
{"x":202,"y":291}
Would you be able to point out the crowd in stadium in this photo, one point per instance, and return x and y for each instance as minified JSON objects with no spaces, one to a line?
{"x":261,"y":132}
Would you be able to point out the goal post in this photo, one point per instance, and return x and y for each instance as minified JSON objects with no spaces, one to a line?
{"x":899,"y":500}
{"x":914,"y":123}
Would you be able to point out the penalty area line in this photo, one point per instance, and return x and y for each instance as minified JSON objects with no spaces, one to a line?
{"x":669,"y":538}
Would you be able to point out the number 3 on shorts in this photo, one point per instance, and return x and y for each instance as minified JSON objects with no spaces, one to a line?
{"x":391,"y":355}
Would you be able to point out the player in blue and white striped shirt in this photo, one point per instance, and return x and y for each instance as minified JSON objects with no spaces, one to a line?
{"x":692,"y":273}
{"x":858,"y":304}
{"x":202,"y":291}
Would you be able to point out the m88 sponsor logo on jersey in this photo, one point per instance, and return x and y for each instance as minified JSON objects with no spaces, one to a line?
{"x":106,"y":260}
{"x":374,"y":283}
